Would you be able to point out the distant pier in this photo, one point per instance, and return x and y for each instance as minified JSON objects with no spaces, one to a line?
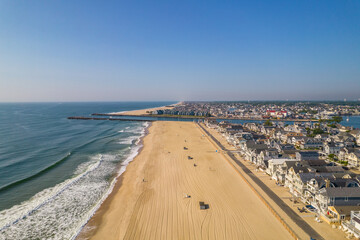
{"x":110,"y":119}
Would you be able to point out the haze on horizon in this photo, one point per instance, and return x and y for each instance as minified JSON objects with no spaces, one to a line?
{"x":179,"y":50}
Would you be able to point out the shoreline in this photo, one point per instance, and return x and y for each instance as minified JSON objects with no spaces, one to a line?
{"x":91,"y":226}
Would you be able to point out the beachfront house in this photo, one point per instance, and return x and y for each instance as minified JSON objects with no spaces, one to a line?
{"x":252,"y":151}
{"x":264,"y":156}
{"x":297,"y":178}
{"x":353,"y":226}
{"x":302,"y":172}
{"x":338,"y":214}
{"x":277,"y":168}
{"x":211,"y":123}
{"x":222,"y":126}
{"x":327,"y":179}
{"x":332,"y":196}
{"x":256,"y":153}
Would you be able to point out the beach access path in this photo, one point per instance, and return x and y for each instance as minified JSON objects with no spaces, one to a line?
{"x":161,"y":189}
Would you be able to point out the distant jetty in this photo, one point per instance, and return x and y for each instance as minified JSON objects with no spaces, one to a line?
{"x":110,"y":119}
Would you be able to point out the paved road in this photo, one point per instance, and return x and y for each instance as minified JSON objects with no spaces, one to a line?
{"x":295,"y":217}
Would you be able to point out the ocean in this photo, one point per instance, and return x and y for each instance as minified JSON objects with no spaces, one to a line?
{"x":55,"y":172}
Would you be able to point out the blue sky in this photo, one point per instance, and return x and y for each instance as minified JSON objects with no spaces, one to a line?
{"x":179,"y":50}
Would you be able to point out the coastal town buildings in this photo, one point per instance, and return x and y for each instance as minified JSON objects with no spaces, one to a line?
{"x":264,"y":110}
{"x":316,"y":162}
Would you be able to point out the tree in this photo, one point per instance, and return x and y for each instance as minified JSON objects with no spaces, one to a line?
{"x":336,"y":119}
{"x":315,"y":132}
{"x":318,"y":131}
{"x":268,"y":123}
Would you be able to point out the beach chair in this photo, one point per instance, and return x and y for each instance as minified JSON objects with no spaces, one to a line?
{"x":301,"y":209}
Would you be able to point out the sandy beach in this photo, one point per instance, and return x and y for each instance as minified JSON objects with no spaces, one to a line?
{"x":150,"y":200}
{"x":146,"y":111}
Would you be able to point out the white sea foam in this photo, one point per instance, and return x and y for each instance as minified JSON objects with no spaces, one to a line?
{"x":128,"y":140}
{"x":122,"y":169}
{"x":60,"y":212}
{"x":17,"y":222}
{"x":137,"y":130}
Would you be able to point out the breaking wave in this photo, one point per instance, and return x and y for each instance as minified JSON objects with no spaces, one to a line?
{"x":36,"y":174}
{"x":60,"y":212}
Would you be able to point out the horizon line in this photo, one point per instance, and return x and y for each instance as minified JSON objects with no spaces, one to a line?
{"x":115,"y":101}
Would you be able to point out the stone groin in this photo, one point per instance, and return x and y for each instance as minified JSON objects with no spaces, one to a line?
{"x":110,"y":119}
